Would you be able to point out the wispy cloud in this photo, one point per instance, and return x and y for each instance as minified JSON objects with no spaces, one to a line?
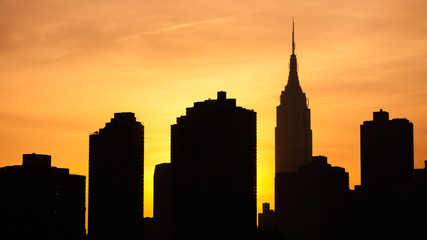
{"x":219,"y":20}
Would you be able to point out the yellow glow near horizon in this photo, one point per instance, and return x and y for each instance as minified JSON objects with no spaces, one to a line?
{"x":67,"y":66}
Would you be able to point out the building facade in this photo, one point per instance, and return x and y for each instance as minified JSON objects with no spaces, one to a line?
{"x":420,"y":178}
{"x":116,"y":167}
{"x":39,"y":201}
{"x":213,"y":156}
{"x":162,"y":201}
{"x":266,"y":219}
{"x":387,"y":152}
{"x":293,"y":131}
{"x":387,"y":173}
{"x":313,"y":202}
{"x":293,"y":135}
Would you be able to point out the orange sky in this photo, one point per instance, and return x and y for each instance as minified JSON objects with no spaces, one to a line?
{"x":67,"y":65}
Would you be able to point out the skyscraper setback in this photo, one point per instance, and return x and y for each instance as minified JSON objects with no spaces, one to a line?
{"x":293,"y":131}
{"x":116,"y":160}
{"x":213,"y":157}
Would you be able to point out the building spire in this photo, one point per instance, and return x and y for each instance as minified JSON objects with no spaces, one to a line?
{"x":293,"y":36}
{"x":293,"y":69}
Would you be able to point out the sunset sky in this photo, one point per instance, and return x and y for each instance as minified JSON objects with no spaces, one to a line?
{"x":66,"y":66}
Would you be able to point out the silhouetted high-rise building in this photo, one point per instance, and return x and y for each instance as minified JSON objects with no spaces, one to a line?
{"x":313,"y":202}
{"x":162,"y":200}
{"x":116,"y":160}
{"x":387,"y":152}
{"x":387,"y":168}
{"x":213,"y":156}
{"x":38,"y":201}
{"x":293,"y":132}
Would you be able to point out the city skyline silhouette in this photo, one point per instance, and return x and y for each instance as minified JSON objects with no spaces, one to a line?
{"x":52,"y":100}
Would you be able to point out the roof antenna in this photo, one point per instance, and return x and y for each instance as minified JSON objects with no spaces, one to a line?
{"x":293,"y":36}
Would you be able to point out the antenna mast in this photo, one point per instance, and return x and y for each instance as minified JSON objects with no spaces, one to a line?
{"x":293,"y":36}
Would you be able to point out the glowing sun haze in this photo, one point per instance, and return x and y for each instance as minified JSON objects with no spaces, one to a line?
{"x":66,"y":66}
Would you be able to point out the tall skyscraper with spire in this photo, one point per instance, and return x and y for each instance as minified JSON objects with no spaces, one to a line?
{"x":293,"y":131}
{"x":293,"y":141}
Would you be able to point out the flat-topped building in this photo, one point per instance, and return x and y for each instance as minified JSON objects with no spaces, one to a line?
{"x":116,"y":167}
{"x":39,"y":201}
{"x":213,"y":157}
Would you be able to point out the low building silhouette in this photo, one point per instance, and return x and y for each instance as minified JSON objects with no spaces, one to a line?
{"x":266,"y":219}
{"x":38,"y":201}
{"x":149,"y":229}
{"x":213,"y":156}
{"x":420,"y":176}
{"x":313,"y":202}
{"x":162,"y":201}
